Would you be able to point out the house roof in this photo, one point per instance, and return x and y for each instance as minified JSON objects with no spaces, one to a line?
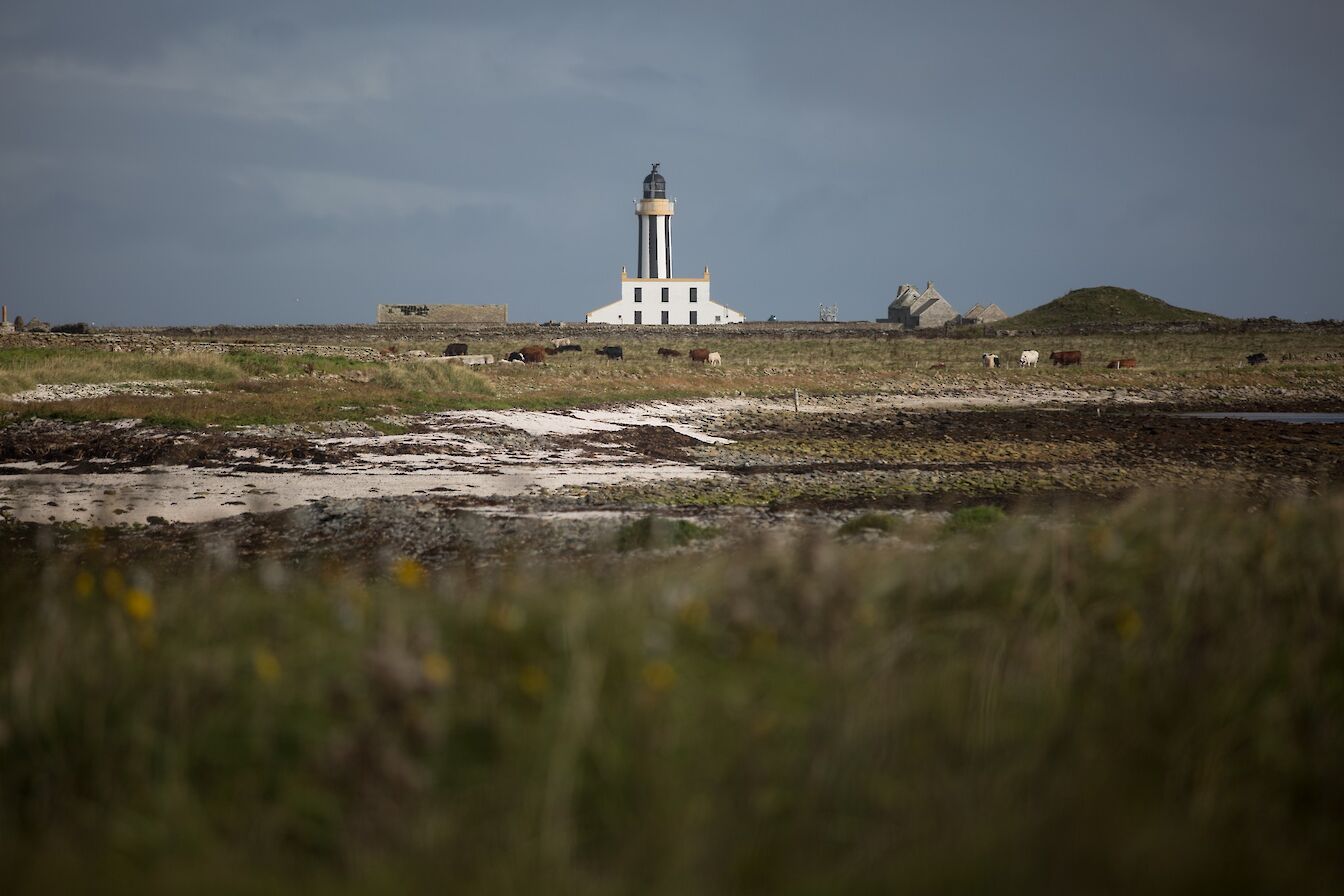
{"x":928,"y":302}
{"x":986,"y":313}
{"x":931,"y":292}
{"x":906,"y":296}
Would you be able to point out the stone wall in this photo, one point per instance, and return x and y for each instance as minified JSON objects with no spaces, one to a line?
{"x":443,"y":314}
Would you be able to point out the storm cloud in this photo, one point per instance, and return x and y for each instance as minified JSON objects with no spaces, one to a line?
{"x":248,"y":162}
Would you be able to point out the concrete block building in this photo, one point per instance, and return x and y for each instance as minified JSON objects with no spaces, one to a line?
{"x":443,"y":314}
{"x":653,"y":297}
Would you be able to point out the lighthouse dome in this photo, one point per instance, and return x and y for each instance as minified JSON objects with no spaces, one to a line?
{"x":654,"y":185}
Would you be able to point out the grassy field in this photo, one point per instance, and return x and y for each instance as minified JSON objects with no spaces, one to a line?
{"x":1147,"y":701}
{"x":252,"y":386}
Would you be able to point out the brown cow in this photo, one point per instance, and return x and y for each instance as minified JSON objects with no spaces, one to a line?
{"x":668,"y":353}
{"x":1119,"y":363}
{"x":700,"y":355}
{"x":1064,"y":359}
{"x":533,"y":354}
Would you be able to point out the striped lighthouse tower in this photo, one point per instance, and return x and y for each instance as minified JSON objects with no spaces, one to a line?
{"x":654,"y":214}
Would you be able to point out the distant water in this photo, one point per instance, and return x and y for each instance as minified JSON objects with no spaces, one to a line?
{"x":1269,"y":416}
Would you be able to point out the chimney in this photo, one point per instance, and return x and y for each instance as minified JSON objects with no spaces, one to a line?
{"x":929,"y":287}
{"x":4,"y":314}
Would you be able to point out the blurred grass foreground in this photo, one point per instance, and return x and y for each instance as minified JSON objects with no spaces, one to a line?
{"x":1152,"y":700}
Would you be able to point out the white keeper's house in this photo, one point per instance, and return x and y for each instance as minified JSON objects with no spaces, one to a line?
{"x":654,"y":296}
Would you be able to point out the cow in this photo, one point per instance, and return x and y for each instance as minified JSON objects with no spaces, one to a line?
{"x":533,"y":354}
{"x":1120,"y":363}
{"x":570,"y":347}
{"x":611,"y":352}
{"x":715,"y":359}
{"x":937,"y":366}
{"x":989,"y":360}
{"x":515,"y":357}
{"x":455,"y":349}
{"x":1257,"y":358}
{"x":1064,"y":359}
{"x":668,"y":353}
{"x":557,"y":343}
{"x":1029,"y":358}
{"x":699,"y":356}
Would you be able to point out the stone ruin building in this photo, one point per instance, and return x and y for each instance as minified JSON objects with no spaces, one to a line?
{"x":915,"y":310}
{"x":984,"y":314}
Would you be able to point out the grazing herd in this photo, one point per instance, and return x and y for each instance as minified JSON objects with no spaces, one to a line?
{"x":1031,"y":357}
{"x":536,"y":354}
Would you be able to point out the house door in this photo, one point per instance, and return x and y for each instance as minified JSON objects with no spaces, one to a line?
{"x":664,"y":317}
{"x":694,"y":321}
{"x":639,"y":317}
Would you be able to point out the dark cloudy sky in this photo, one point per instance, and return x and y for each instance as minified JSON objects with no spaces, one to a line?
{"x":302,"y":160}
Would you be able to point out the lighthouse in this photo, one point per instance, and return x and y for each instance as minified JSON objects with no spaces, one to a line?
{"x":653,"y":296}
{"x":654,"y":216}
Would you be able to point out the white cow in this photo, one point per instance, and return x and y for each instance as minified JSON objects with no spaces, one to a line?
{"x":989,"y":360}
{"x":556,"y":343}
{"x":1029,"y":358}
{"x":715,"y":359}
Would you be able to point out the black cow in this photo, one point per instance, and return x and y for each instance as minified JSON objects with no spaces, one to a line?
{"x":515,"y":356}
{"x":455,"y":349}
{"x":612,"y":352}
{"x":571,"y":348}
{"x":1257,"y":358}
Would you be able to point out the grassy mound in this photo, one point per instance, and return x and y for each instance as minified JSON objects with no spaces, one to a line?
{"x":1103,"y":305}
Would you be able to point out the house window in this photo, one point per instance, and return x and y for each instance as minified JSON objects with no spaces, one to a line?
{"x":639,"y":316}
{"x":664,"y":317}
{"x":664,"y":297}
{"x":694,"y":319}
{"x":639,"y":294}
{"x":695,"y":293}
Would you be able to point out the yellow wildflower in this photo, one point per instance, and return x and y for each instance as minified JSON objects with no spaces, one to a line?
{"x":506,"y":617}
{"x":694,"y":612}
{"x":265,"y":665}
{"x":408,"y":573}
{"x":659,"y":675}
{"x":437,"y":669}
{"x":763,"y":642}
{"x":532,"y":680}
{"x":139,"y":605}
{"x":84,"y":583}
{"x":1128,"y":624}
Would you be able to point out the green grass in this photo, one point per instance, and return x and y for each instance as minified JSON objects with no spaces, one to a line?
{"x":22,"y":368}
{"x":1151,"y":702}
{"x":657,"y":532}
{"x":872,"y":521}
{"x":974,"y":519}
{"x":1102,"y":305}
{"x":252,"y":386}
